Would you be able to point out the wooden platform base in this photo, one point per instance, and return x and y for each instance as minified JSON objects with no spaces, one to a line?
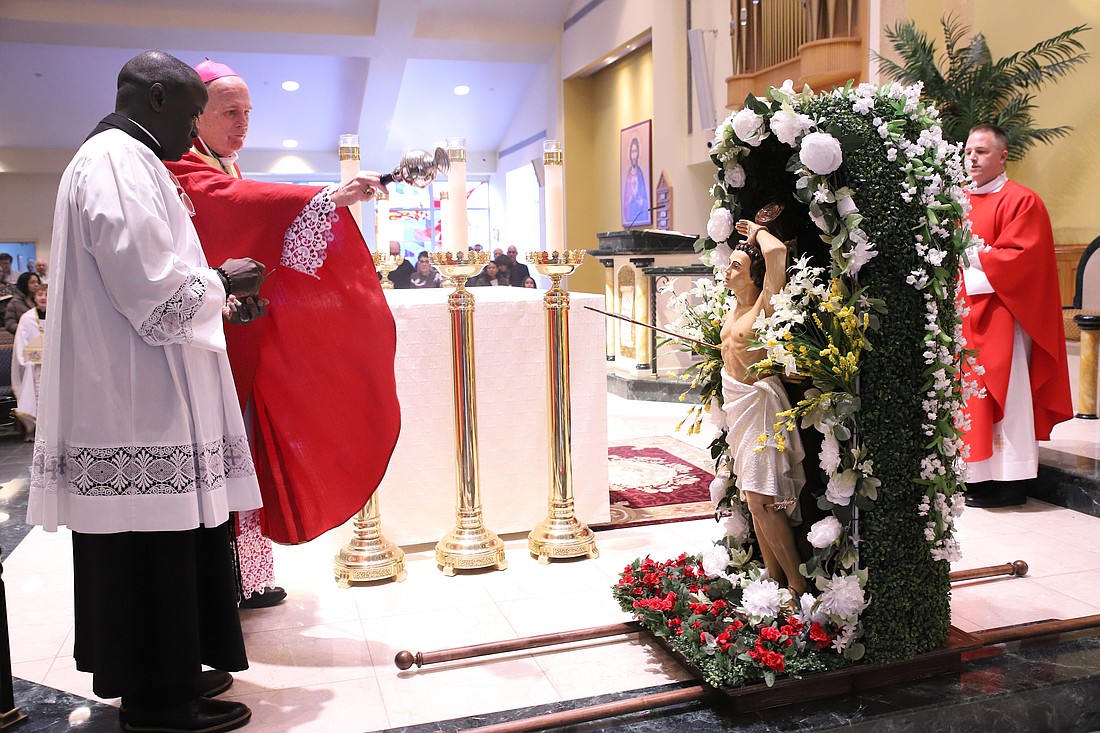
{"x":856,"y":678}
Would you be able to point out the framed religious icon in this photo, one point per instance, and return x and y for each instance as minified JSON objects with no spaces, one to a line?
{"x":635,"y":158}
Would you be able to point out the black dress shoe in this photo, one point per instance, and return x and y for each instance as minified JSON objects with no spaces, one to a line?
{"x":214,"y":682}
{"x":270,"y":597}
{"x":992,"y":494}
{"x":201,"y":716}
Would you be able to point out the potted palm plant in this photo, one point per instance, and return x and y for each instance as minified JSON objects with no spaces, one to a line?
{"x":968,"y":86}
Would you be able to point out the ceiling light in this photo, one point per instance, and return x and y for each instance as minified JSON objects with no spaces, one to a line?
{"x":290,"y":143}
{"x":291,"y":86}
{"x":462,"y":90}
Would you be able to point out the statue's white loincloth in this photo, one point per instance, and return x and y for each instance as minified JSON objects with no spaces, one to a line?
{"x":762,"y":468}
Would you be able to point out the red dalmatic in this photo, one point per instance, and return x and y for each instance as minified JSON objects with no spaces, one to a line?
{"x":318,"y":368}
{"x":1022,"y":270}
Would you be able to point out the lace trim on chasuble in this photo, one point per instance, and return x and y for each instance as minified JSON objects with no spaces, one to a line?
{"x":136,"y":470}
{"x":170,"y":322}
{"x":306,"y":241}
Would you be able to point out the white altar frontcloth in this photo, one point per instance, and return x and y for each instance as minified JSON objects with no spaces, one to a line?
{"x":417,"y":496}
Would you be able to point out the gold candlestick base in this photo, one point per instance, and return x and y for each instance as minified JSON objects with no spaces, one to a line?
{"x":369,"y":556}
{"x":470,"y":548}
{"x":469,"y":545}
{"x":560,"y":535}
{"x":385,"y":264}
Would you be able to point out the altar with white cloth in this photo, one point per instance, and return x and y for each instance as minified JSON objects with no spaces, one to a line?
{"x":417,"y":496}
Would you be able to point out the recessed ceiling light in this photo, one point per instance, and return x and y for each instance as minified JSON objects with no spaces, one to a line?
{"x":462,"y":90}
{"x":291,"y":86}
{"x":290,"y":143}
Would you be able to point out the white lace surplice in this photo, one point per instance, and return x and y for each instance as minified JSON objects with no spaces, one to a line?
{"x":138,"y":426}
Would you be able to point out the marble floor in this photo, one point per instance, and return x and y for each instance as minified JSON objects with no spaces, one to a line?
{"x":323,"y":660}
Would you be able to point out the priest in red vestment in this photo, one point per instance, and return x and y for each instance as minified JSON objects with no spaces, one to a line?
{"x":1015,"y":324}
{"x":315,"y":378}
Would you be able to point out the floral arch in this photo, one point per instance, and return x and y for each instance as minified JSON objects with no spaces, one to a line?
{"x":870,"y":318}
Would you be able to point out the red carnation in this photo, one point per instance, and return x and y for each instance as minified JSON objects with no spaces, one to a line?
{"x":820,"y":636}
{"x":769,"y":633}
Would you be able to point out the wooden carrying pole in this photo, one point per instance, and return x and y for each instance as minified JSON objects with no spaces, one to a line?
{"x":1017,"y":568}
{"x":598,"y":712}
{"x":406,"y":659}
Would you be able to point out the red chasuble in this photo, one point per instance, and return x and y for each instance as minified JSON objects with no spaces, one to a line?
{"x":1022,"y":270}
{"x":319,"y":367}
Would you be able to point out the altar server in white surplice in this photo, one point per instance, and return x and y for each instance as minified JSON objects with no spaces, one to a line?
{"x":768,"y":474}
{"x":26,"y":361}
{"x":141,"y":447}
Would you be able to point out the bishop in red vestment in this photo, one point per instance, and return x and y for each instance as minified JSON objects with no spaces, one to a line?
{"x":316,"y":375}
{"x":1015,"y":324}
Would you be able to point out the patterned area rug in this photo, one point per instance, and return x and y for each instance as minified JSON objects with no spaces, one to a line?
{"x":657,"y":480}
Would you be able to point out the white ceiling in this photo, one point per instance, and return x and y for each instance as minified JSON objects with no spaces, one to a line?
{"x":382,"y":68}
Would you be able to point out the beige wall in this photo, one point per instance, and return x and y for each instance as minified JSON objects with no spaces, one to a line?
{"x":1066,"y":173}
{"x":26,"y":208}
{"x":649,"y":83}
{"x":596,"y":109}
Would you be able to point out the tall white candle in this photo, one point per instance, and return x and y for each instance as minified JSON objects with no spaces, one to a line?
{"x":349,"y":168}
{"x":552,"y":160}
{"x":456,"y":239}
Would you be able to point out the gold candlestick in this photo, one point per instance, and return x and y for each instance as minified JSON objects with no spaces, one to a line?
{"x":560,"y":534}
{"x":469,"y":545}
{"x":369,"y":555}
{"x":385,"y":264}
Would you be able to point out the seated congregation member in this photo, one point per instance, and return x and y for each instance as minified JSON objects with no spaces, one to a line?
{"x":23,"y":300}
{"x":26,"y":358}
{"x":490,"y":276}
{"x":768,"y":478}
{"x":504,"y":270}
{"x":520,"y":271}
{"x":400,"y":276}
{"x":8,"y":276}
{"x":425,"y":276}
{"x":315,"y":466}
{"x":529,"y":282}
{"x":140,"y":447}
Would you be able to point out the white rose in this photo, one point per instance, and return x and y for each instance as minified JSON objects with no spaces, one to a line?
{"x":824,"y":533}
{"x":715,"y":561}
{"x":718,"y":486}
{"x":821,"y":153}
{"x":749,"y":127}
{"x":811,"y":610}
{"x":734,"y":176}
{"x":845,"y":206}
{"x":720,"y":225}
{"x":841,"y":487}
{"x":720,"y":256}
{"x":737,"y":527}
{"x":788,"y":126}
